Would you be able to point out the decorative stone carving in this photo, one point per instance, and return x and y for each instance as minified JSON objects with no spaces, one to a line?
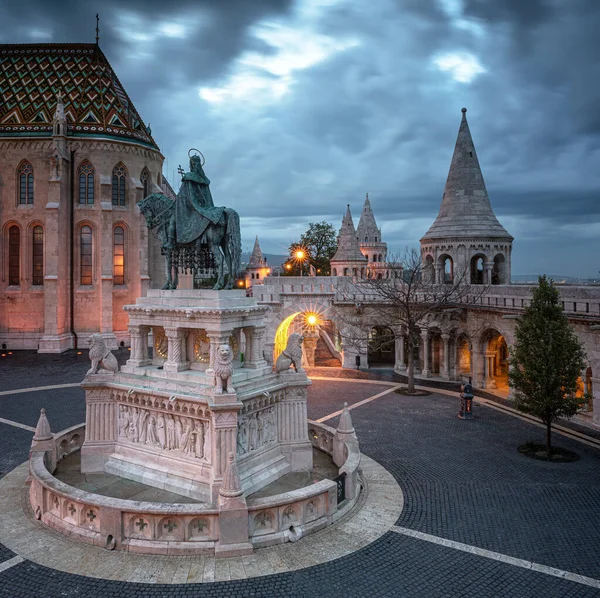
{"x":178,"y":433}
{"x":256,"y":430}
{"x":223,"y":368}
{"x":103,"y":361}
{"x":291,"y":355}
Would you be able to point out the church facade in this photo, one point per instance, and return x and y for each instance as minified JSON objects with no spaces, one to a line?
{"x":75,"y":158}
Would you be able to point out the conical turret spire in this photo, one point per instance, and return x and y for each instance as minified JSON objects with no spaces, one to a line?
{"x":42,"y":430}
{"x":256,"y":259}
{"x":367,"y":230}
{"x":345,"y":424}
{"x":465,"y":209}
{"x":348,"y":249}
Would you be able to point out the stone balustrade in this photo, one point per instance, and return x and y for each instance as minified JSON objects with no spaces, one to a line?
{"x":180,"y":529}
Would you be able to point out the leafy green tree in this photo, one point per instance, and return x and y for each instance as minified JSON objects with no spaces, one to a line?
{"x":546,"y":360}
{"x":320,"y":242}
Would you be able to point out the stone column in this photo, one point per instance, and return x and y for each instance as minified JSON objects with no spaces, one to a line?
{"x":490,"y":357}
{"x":400,"y":365}
{"x":176,"y":359}
{"x":477,"y":366}
{"x":310,"y":347}
{"x":439,"y":275}
{"x":425,"y":338}
{"x":139,"y":346}
{"x":445,"y":361}
{"x":487,"y":272}
{"x":255,"y":342}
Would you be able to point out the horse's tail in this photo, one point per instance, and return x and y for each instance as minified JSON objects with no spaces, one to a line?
{"x":234,"y":242}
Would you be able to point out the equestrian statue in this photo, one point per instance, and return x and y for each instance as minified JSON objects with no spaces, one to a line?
{"x":194,"y":234}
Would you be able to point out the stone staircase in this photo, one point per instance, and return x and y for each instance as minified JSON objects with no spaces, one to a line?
{"x":323,"y":356}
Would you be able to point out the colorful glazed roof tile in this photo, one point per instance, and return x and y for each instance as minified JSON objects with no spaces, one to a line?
{"x":95,"y":103}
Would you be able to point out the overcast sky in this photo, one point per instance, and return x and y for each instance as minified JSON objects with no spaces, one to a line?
{"x":301,"y":107}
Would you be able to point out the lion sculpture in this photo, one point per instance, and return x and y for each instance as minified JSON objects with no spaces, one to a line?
{"x":103,"y":361}
{"x":292,"y":355}
{"x":224,"y":370}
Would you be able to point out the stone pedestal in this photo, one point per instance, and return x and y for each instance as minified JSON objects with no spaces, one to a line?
{"x":167,"y":425}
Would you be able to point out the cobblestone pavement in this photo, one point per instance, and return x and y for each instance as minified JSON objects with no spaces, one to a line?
{"x":462,"y":480}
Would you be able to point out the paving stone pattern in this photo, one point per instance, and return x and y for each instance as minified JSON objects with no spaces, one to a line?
{"x":463,"y":481}
{"x":392,"y":566}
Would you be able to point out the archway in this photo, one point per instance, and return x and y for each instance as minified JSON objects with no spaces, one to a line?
{"x":477,"y":269}
{"x":495,"y":360}
{"x":381,"y":346}
{"x":445,"y":269}
{"x":320,"y":346}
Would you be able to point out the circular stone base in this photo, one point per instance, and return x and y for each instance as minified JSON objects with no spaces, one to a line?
{"x":375,"y":513}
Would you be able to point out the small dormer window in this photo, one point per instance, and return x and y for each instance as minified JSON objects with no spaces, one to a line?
{"x":471,"y":154}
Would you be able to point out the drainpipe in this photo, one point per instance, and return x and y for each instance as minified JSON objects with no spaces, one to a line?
{"x":71,"y":250}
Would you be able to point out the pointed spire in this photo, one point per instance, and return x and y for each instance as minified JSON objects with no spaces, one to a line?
{"x":345,"y":425}
{"x":465,"y":209}
{"x":367,"y":230}
{"x":42,"y":430}
{"x":256,"y":259}
{"x":232,"y":485}
{"x":348,"y":249}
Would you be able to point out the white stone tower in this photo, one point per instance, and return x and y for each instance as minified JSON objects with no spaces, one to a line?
{"x":348,"y":259}
{"x":466,"y":242}
{"x":257,"y":267}
{"x":370,"y":241}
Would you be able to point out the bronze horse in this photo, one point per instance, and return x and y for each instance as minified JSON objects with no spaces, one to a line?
{"x":223,"y":240}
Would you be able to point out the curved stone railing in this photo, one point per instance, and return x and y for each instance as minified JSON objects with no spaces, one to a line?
{"x":159,"y":528}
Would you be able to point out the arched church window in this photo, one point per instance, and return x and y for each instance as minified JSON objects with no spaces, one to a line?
{"x":25,"y":183}
{"x":37,"y":262}
{"x":14,"y":256}
{"x":366,"y":239}
{"x":119,"y":255}
{"x":118,"y":185}
{"x":86,"y":183}
{"x":85,"y":256}
{"x":145,"y":180}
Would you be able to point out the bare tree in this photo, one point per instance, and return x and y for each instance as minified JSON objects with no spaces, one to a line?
{"x":403,"y":299}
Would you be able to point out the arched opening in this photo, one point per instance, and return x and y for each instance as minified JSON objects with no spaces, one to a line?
{"x":335,"y":272}
{"x":499,"y":270}
{"x":381,"y":346}
{"x":320,"y":345}
{"x":495,"y":361}
{"x":446,"y":269}
{"x":477,"y":269}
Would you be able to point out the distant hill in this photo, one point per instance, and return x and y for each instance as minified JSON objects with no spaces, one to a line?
{"x":557,"y":278}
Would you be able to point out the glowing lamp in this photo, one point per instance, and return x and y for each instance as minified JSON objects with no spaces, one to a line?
{"x":300,"y":254}
{"x":288,"y":266}
{"x":311,"y":319}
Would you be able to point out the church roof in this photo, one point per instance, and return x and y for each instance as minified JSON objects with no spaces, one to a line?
{"x":465,"y":209}
{"x":95,"y":103}
{"x":348,"y":249}
{"x":367,"y":227}
{"x":256,"y":259}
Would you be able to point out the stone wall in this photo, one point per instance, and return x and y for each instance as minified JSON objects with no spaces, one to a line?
{"x":30,"y":313}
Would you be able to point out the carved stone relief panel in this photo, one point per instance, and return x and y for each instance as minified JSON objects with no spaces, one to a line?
{"x":182,"y":434}
{"x":256,"y":430}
